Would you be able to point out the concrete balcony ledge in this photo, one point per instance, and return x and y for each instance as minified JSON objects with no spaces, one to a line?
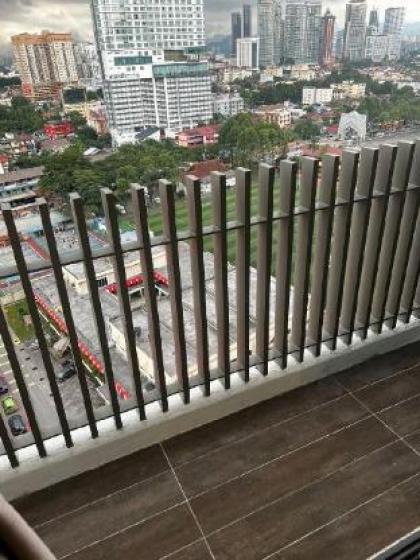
{"x":62,"y":463}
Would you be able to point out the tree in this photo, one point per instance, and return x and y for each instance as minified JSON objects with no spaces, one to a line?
{"x":77,"y":119}
{"x":306,"y":130}
{"x":20,"y":117}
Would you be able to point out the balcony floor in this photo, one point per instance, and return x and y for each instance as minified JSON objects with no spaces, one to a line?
{"x":327,"y":471}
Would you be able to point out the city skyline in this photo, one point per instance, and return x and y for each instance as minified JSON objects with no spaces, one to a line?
{"x":74,"y":15}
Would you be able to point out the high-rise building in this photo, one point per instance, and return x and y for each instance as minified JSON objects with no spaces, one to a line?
{"x":394,"y":21}
{"x":87,"y":63}
{"x":303,"y":30}
{"x":149,"y":75}
{"x":355,"y":31}
{"x":46,"y":63}
{"x":270,"y":32}
{"x":248,"y":54}
{"x":327,"y":39}
{"x":247,"y":21}
{"x":236,"y":30}
{"x":373,"y":22}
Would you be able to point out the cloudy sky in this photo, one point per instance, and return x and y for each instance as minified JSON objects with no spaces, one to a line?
{"x":73,"y":15}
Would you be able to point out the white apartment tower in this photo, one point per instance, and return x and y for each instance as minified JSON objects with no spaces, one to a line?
{"x":355,"y":31}
{"x":303,"y":25}
{"x":270,"y":32}
{"x":145,"y":49}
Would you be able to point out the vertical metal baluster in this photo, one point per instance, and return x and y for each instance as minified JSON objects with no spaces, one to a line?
{"x":330,"y":170}
{"x":218,"y":181}
{"x":403,"y":274}
{"x":167,"y":197}
{"x":359,"y":230}
{"x":410,"y":295}
{"x":383,"y":181}
{"x":288,"y":180}
{"x":392,"y":230}
{"x":8,"y":446}
{"x":82,"y":233}
{"x":21,"y":385}
{"x":265,"y":246}
{"x":306,"y":220}
{"x":36,"y":320}
{"x":340,"y":246}
{"x":111,"y":219}
{"x":243,"y":262}
{"x":198,"y":279}
{"x":146,"y":259}
{"x":68,"y":317}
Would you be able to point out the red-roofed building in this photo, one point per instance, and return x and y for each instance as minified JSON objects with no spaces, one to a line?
{"x":203,"y":169}
{"x":54,"y":130}
{"x":200,"y":136}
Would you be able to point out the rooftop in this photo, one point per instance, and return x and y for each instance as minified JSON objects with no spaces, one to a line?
{"x":335,"y":466}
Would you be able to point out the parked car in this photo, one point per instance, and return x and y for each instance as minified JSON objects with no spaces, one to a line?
{"x":4,"y":387}
{"x":66,"y":373}
{"x":17,"y":425}
{"x":9,"y":405}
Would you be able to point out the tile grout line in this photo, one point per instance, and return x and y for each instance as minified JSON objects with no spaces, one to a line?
{"x":262,"y":430}
{"x":377,"y":382}
{"x":121,"y":531}
{"x":304,"y":487}
{"x":339,"y":517}
{"x":187,"y":502}
{"x":102,"y":498}
{"x":282,"y":456}
{"x":384,"y":424}
{"x":178,"y":550}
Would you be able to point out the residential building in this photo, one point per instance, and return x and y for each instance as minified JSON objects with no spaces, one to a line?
{"x":377,"y":47}
{"x":228,"y":105}
{"x":46,"y":63}
{"x":275,"y":114}
{"x":349,"y":90}
{"x":20,"y":189}
{"x":270,"y":32}
{"x":149,"y":75}
{"x":394,"y":20}
{"x":56,"y":129}
{"x":248,"y":53}
{"x":355,"y":31}
{"x":230,"y":75}
{"x":88,"y":67}
{"x":312,"y":95}
{"x":326,"y":57}
{"x":247,"y":20}
{"x":303,"y":24}
{"x":97,"y":119}
{"x":236,"y":32}
{"x":199,"y":136}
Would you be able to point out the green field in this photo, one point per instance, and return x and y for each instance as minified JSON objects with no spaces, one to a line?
{"x":15,"y":314}
{"x":182,"y":221}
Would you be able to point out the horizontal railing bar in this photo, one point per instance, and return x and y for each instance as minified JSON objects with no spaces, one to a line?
{"x":76,"y":256}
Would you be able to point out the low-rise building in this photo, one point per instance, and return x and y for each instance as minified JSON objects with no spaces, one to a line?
{"x":200,"y":136}
{"x":275,"y":114}
{"x":312,"y":95}
{"x":232,"y":74}
{"x":58,"y":129}
{"x":228,"y":105}
{"x":348,"y":89}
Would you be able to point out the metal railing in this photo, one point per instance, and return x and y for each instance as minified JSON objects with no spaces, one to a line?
{"x":337,"y":253}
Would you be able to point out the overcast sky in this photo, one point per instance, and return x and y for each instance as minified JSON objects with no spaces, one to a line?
{"x":18,"y":16}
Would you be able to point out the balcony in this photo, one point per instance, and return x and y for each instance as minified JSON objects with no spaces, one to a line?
{"x":272,"y":409}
